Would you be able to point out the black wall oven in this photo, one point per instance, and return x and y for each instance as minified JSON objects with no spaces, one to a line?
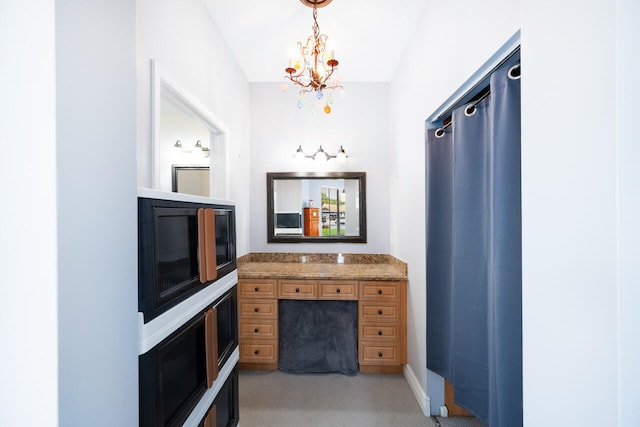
{"x":183,"y":247}
{"x":175,"y":373}
{"x":224,"y":411}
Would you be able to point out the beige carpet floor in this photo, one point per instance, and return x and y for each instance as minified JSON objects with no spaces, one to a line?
{"x":278,"y":399}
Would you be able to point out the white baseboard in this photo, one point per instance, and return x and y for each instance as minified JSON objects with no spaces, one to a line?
{"x":418,"y":392}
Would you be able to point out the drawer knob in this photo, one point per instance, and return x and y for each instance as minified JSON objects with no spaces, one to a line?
{"x":256,"y":289}
{"x":256,"y":352}
{"x":338,"y":290}
{"x":297,"y":289}
{"x":379,"y":354}
{"x":379,"y":332}
{"x":256,"y":330}
{"x":257,"y":309}
{"x":379,"y":291}
{"x":379,"y":312}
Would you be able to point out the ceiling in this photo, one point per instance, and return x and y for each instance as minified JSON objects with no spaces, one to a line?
{"x":370,"y":37}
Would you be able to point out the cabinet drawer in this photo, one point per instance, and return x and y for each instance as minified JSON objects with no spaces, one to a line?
{"x":298,"y":289}
{"x":376,"y":354}
{"x":375,"y":290}
{"x":258,"y":329}
{"x":258,"y":309}
{"x":377,"y":311}
{"x":257,"y":288}
{"x":338,"y":289}
{"x":378,"y":332}
{"x":258,"y":352}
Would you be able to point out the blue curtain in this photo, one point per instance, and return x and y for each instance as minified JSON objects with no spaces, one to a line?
{"x":474,"y":259}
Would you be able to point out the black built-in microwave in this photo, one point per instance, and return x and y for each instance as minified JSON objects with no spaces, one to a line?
{"x":175,"y":373}
{"x":183,"y":248}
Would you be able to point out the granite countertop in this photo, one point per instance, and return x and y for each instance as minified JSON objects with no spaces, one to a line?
{"x":320,"y":266}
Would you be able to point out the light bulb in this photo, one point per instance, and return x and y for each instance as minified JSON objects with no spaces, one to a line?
{"x":320,"y":156}
{"x":341,"y":156}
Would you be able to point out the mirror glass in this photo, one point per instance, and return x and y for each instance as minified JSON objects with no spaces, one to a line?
{"x":185,"y":133}
{"x":316,"y":207}
{"x":190,"y":180}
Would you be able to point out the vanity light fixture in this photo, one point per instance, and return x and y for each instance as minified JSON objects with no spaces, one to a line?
{"x":204,"y":150}
{"x":322,"y":156}
{"x":313,"y":65}
{"x":188,"y":148}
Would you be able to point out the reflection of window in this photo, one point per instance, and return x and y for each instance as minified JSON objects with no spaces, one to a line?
{"x":333,"y":214}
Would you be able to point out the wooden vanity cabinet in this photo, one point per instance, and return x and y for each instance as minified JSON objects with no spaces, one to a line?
{"x":382,"y":326}
{"x":382,"y":319}
{"x":258,"y":324}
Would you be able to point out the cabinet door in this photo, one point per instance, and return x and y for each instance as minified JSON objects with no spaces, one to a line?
{"x":379,"y":290}
{"x":379,"y":332}
{"x":259,"y":351}
{"x":379,"y":354}
{"x":338,"y":289}
{"x":258,"y":328}
{"x":379,"y":311}
{"x":258,"y":309}
{"x":298,"y":289}
{"x":257,"y":288}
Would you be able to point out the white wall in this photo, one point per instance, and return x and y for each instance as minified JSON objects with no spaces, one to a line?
{"x":181,"y":35}
{"x":28,"y":218}
{"x":579,"y":193}
{"x":453,"y":40}
{"x":97,"y":245}
{"x":359,"y":122}
{"x":580,"y":279}
{"x":628,"y":135}
{"x":68,"y":319}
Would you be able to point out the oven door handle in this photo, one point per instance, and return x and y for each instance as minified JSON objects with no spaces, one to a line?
{"x":210,"y":420}
{"x":207,"y":245}
{"x":211,"y":344}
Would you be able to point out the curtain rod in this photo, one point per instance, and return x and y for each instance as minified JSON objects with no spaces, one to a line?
{"x":476,"y":82}
{"x":513,"y":73}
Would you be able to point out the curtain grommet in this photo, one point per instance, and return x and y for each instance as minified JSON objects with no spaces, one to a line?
{"x":514,"y":72}
{"x":470,"y":110}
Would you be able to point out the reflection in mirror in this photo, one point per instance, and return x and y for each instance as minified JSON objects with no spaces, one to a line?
{"x":178,"y":116}
{"x":316,"y":207}
{"x":190,"y":180}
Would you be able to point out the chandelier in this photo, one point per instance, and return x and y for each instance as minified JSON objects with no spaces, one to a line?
{"x":313,"y":66}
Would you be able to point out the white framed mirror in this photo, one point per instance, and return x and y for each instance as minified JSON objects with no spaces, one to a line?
{"x":185,"y":133}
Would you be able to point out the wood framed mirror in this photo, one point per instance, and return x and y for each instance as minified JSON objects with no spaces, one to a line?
{"x":319,"y":207}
